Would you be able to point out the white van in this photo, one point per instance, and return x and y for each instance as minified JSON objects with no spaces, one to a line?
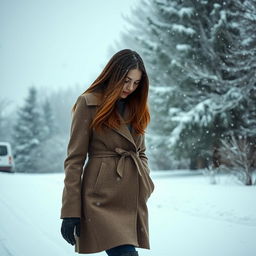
{"x":6,"y":157}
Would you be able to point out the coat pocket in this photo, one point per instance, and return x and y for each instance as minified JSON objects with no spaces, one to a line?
{"x":100,"y":177}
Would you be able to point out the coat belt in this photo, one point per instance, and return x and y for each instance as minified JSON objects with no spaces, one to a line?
{"x":123,"y":153}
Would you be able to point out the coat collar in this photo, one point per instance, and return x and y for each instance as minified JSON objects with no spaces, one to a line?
{"x":95,"y":99}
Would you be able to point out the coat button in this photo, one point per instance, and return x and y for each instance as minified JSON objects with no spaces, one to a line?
{"x":98,"y":203}
{"x":118,"y":179}
{"x":89,"y":219}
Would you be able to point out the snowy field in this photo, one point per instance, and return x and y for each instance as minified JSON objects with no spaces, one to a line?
{"x":188,"y":216}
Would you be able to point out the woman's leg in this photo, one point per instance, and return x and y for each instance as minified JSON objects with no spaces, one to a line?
{"x":122,"y":250}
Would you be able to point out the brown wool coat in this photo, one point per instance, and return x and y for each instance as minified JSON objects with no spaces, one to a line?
{"x":110,"y":191}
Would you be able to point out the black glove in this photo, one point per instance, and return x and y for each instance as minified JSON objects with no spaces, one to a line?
{"x":67,"y":229}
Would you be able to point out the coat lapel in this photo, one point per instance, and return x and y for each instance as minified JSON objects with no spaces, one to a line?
{"x":94,"y":100}
{"x":124,"y":130}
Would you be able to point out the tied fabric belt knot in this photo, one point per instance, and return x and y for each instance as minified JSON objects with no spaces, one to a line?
{"x":121,"y":151}
{"x":124,"y":153}
{"x":135,"y":155}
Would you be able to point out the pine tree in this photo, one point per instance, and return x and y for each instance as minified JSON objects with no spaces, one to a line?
{"x":50,"y":154}
{"x":193,"y":51}
{"x":243,"y":68}
{"x":27,"y":134}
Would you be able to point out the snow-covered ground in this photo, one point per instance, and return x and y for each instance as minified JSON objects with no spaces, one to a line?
{"x":188,"y":216}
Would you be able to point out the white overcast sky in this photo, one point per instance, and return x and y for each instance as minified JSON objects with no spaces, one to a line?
{"x":55,"y":43}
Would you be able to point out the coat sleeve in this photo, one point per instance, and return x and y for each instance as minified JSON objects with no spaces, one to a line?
{"x":143,"y":156}
{"x":76,"y":155}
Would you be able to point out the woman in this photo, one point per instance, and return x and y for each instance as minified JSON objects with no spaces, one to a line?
{"x":104,"y":201}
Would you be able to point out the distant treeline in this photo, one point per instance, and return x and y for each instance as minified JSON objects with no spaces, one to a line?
{"x":39,"y":129}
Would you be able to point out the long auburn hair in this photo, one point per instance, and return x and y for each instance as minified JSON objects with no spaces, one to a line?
{"x":110,"y":83}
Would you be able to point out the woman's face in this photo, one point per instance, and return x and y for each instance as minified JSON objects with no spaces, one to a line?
{"x":131,"y":82}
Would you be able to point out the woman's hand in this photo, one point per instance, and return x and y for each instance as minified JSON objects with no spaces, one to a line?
{"x":67,"y":229}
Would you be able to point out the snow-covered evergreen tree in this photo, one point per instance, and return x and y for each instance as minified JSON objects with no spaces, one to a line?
{"x":41,"y":129}
{"x":27,"y":134}
{"x":197,"y":53}
{"x":50,"y":155}
{"x":243,"y":68}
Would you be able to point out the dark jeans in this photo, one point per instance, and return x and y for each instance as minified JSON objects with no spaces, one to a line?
{"x":119,"y":250}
